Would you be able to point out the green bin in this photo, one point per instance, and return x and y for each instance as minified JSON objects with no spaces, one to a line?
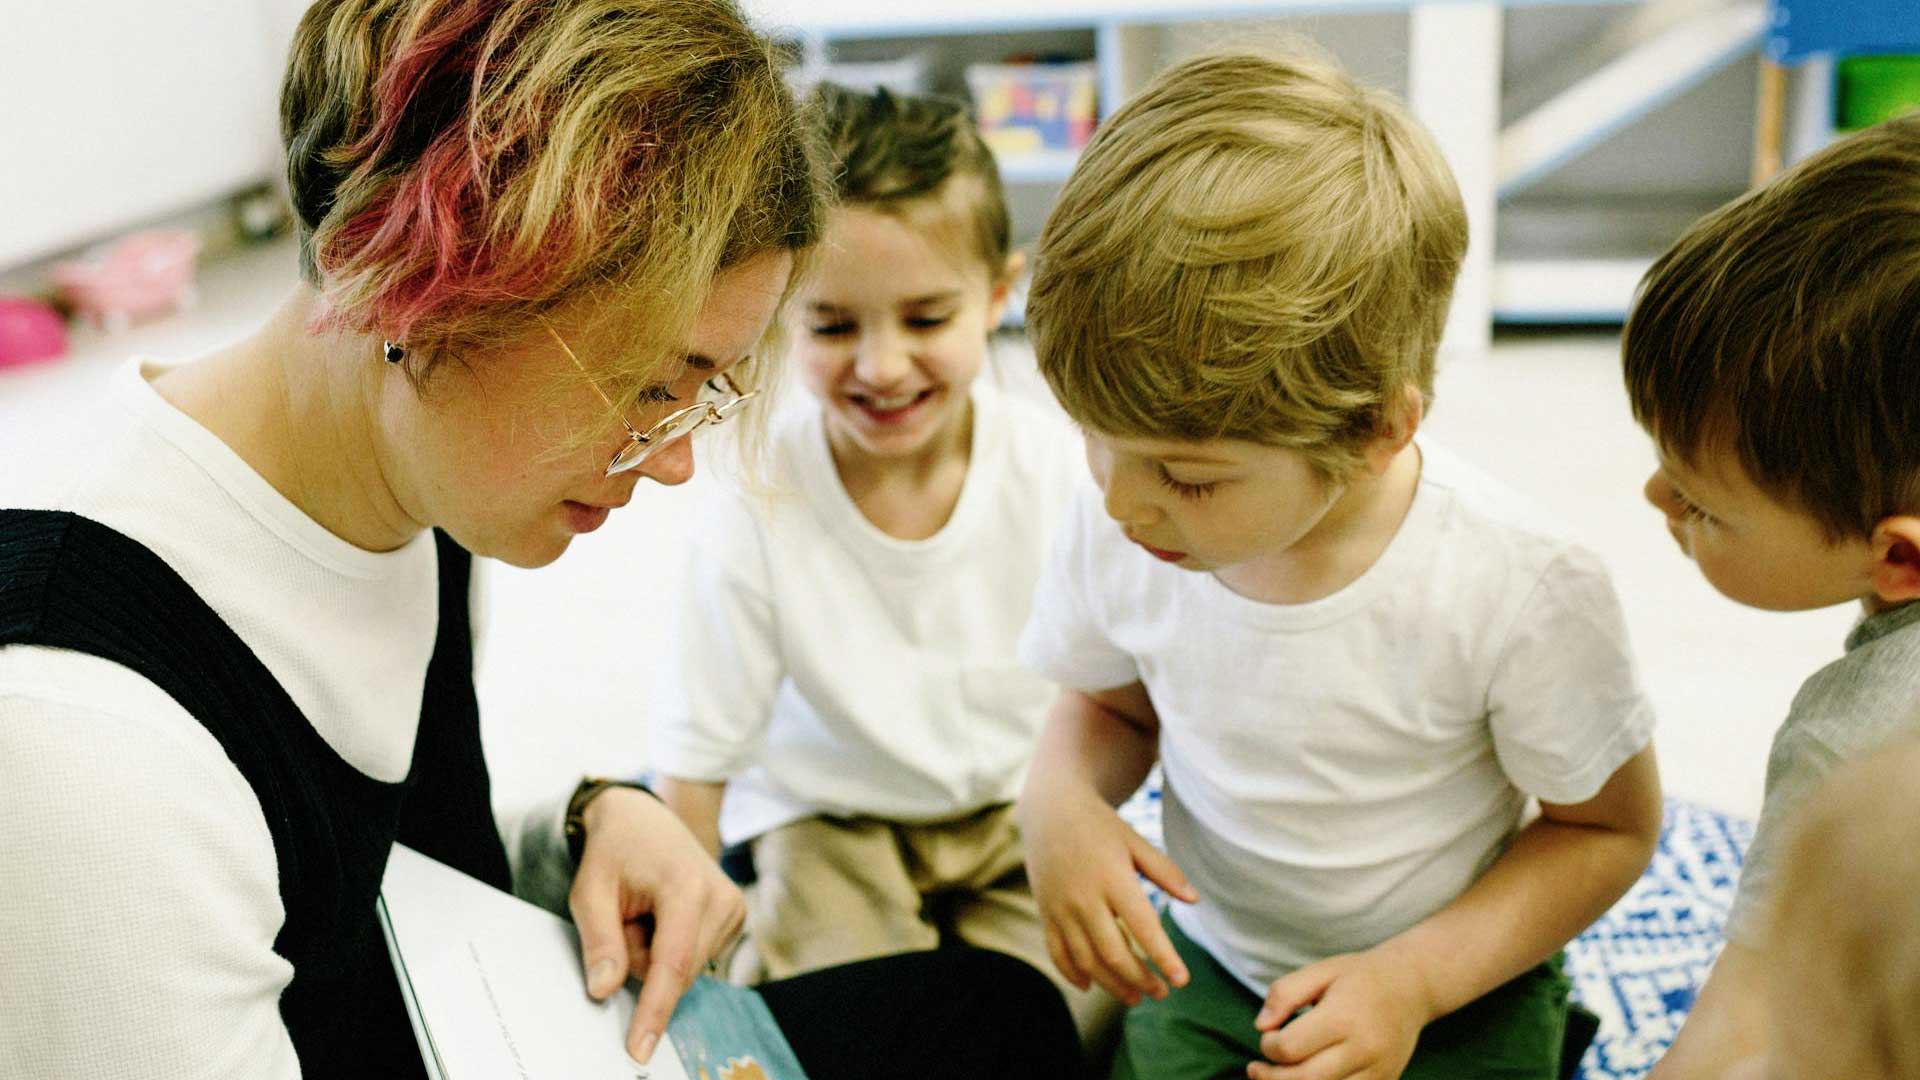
{"x":1876,"y":88}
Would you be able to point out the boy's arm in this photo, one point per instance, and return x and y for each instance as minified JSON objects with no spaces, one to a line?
{"x":1083,"y":860}
{"x":697,"y":804}
{"x":1561,"y":873}
{"x":1107,"y":739}
{"x":1727,"y":1024}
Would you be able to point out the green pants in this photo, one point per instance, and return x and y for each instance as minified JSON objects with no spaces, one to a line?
{"x":1204,"y":1030}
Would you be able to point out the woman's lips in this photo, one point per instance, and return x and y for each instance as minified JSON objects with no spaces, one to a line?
{"x":583,"y":517}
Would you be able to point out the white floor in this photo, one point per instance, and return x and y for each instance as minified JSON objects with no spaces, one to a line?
{"x":571,"y":649}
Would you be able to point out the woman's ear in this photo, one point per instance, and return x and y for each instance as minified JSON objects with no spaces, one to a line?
{"x":1896,"y":560}
{"x":1003,"y":287}
{"x":1399,"y":420}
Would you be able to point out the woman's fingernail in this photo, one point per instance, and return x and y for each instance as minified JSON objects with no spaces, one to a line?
{"x":1264,"y":1017}
{"x":602,"y":978}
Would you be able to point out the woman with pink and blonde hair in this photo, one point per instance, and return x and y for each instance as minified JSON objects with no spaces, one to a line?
{"x":542,"y":243}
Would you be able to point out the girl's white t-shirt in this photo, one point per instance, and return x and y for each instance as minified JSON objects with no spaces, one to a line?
{"x":141,"y":896}
{"x":1340,"y":770}
{"x":824,"y":667}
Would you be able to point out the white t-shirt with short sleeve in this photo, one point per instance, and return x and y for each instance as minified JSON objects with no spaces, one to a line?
{"x":1338,"y":771}
{"x":824,"y":667}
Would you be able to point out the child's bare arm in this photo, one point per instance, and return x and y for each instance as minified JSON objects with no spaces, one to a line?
{"x":1108,"y":739}
{"x":1559,"y":874}
{"x":697,"y":803}
{"x":1726,"y":1024}
{"x":1083,"y":860}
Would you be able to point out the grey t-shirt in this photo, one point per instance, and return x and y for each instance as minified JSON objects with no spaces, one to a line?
{"x":1858,"y":703}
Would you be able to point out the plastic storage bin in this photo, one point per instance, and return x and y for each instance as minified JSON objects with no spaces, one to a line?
{"x":1876,"y":88}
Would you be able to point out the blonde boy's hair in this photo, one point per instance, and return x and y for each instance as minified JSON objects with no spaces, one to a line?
{"x":1846,"y":924}
{"x":1785,"y":328}
{"x":1256,"y":247}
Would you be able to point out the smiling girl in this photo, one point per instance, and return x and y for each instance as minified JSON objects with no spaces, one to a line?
{"x":852,"y":689}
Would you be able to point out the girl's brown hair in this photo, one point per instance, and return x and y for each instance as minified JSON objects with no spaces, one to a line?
{"x":892,"y":151}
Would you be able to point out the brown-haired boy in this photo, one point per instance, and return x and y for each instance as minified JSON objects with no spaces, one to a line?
{"x":1774,"y":356}
{"x":1358,"y":659}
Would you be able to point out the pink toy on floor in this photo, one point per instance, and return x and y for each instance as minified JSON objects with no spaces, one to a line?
{"x":29,"y":331}
{"x":145,"y":274}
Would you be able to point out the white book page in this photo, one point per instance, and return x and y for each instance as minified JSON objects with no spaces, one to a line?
{"x":496,"y":987}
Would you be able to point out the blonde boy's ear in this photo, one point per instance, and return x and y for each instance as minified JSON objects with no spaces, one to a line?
{"x":1003,"y":287}
{"x":1398,"y":423}
{"x":1896,"y":559}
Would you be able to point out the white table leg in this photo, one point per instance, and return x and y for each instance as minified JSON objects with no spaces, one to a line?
{"x":1453,"y":55}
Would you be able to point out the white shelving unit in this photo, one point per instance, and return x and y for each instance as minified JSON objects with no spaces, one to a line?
{"x":1447,"y":57}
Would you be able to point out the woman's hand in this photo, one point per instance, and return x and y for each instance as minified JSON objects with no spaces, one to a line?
{"x":649,"y":903}
{"x":1082,"y":861}
{"x":1368,"y":1010}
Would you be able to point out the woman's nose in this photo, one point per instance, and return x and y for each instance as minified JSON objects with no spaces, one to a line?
{"x":672,"y":464}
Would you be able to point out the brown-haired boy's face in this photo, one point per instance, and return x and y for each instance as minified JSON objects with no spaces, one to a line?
{"x":1749,"y":545}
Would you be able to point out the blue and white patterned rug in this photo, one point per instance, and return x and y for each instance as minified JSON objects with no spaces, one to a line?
{"x":1639,"y":967}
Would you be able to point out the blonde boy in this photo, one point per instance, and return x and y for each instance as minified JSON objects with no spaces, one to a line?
{"x":1774,"y":356}
{"x":1842,"y":988}
{"x":1359,"y":661}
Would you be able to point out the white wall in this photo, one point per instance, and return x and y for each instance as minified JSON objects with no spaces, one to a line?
{"x":117,"y":112}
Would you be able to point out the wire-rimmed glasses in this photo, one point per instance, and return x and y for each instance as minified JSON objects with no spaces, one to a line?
{"x":720,"y":399}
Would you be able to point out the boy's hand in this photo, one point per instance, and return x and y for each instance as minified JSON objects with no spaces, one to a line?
{"x":1082,"y":861}
{"x":1367,"y":1013}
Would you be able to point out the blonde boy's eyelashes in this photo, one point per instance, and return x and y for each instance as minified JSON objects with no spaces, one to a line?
{"x":1185,"y":489}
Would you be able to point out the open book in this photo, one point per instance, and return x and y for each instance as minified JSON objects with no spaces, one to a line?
{"x":494,"y":988}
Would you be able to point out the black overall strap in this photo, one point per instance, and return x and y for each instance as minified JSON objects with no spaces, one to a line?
{"x":68,"y":582}
{"x":71,"y":583}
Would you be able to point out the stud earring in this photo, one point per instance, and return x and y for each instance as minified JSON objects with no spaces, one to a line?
{"x":393,"y":353}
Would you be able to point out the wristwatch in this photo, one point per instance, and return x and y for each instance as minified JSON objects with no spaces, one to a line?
{"x":574,"y":825}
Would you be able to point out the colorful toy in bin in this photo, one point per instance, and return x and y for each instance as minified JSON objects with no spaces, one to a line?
{"x":1034,"y":108}
{"x":30,"y":331}
{"x":140,"y":276}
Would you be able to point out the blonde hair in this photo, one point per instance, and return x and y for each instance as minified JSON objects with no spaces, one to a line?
{"x":895,"y":152}
{"x":1846,"y":921}
{"x":1785,"y":328}
{"x":460,"y":167}
{"x":1256,"y":247}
